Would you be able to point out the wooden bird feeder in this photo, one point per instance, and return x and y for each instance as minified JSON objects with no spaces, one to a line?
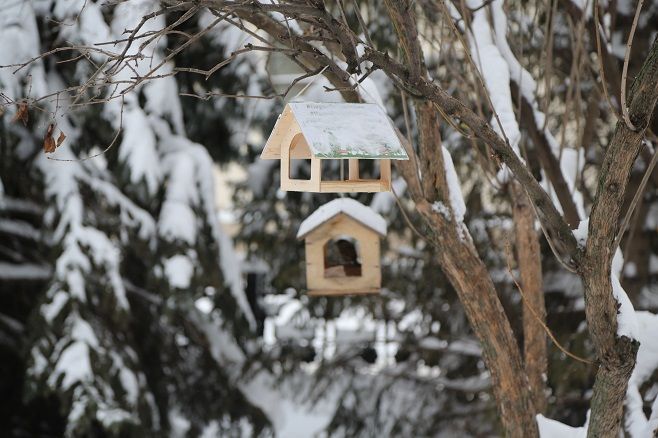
{"x":342,"y":248}
{"x":334,"y":131}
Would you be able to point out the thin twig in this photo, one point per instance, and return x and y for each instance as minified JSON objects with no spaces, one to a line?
{"x":624,"y":72}
{"x":116,"y":136}
{"x":599,"y":52}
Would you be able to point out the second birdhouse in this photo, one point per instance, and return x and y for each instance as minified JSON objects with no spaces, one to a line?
{"x":319,"y":132}
{"x":342,"y":248}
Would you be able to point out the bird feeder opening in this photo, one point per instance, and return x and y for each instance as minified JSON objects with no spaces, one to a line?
{"x":342,"y":258}
{"x":300,"y":168}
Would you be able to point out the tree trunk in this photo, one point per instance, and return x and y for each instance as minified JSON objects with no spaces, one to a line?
{"x":534,"y":309}
{"x":616,"y":353}
{"x":468,"y":274}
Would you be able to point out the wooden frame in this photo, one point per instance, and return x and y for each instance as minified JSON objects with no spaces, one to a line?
{"x":287,"y":142}
{"x":341,"y":225}
{"x":298,"y":149}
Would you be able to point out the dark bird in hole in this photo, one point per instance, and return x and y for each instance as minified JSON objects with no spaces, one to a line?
{"x":347,"y":251}
{"x":341,"y":259}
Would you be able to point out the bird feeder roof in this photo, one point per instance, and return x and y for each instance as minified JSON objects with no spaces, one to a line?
{"x":347,"y":206}
{"x":338,"y":130}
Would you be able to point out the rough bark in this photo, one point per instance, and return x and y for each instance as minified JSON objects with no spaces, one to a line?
{"x":529,"y":263}
{"x":468,"y":274}
{"x":616,"y":354}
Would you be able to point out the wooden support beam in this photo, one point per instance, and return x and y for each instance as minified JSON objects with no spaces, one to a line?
{"x":354,"y":169}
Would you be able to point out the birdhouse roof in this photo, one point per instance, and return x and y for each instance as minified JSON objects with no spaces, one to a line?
{"x":338,"y":130}
{"x":347,"y":206}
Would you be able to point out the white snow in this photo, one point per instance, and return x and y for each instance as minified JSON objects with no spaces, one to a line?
{"x":518,"y":74}
{"x":204,"y":305}
{"x":335,"y":130}
{"x":580,"y":233}
{"x":18,"y":43}
{"x":179,"y":270}
{"x":108,"y":417}
{"x":19,"y":228}
{"x":636,"y":422}
{"x":626,"y":322}
{"x":130,"y":383}
{"x":554,"y":429}
{"x":130,"y":212}
{"x":585,"y":6}
{"x":292,"y":322}
{"x":572,"y":162}
{"x":496,"y":74}
{"x":347,"y":206}
{"x":291,"y":418}
{"x":82,"y":331}
{"x":74,"y":364}
{"x":179,"y":424}
{"x":454,"y":188}
{"x":138,"y":149}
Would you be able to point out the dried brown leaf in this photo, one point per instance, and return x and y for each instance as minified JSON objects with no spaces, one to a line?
{"x":49,"y":145}
{"x":61,"y":138}
{"x":22,"y":113}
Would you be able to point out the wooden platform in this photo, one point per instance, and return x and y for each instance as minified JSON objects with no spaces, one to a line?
{"x":355,"y":186}
{"x":335,"y":293}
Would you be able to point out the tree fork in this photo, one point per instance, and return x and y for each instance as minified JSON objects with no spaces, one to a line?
{"x":616,"y":353}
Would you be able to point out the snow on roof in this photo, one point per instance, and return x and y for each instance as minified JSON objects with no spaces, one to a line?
{"x":341,"y":130}
{"x":347,"y":206}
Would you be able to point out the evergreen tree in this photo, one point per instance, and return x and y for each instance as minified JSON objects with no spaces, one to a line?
{"x":131,"y":318}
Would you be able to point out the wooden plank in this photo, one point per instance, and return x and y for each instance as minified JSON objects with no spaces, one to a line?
{"x":359,"y":186}
{"x":272,"y":149}
{"x":330,"y":292}
{"x":316,"y":174}
{"x":353,"y":169}
{"x":385,"y":175}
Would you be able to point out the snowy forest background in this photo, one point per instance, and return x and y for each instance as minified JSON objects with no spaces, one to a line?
{"x":127,"y":309}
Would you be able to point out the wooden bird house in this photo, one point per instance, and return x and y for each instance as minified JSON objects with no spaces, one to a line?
{"x":334,"y":131}
{"x":342,"y":248}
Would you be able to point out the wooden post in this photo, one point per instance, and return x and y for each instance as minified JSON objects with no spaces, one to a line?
{"x":285,"y":168}
{"x":316,"y":173}
{"x":385,"y":175}
{"x":354,"y":169}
